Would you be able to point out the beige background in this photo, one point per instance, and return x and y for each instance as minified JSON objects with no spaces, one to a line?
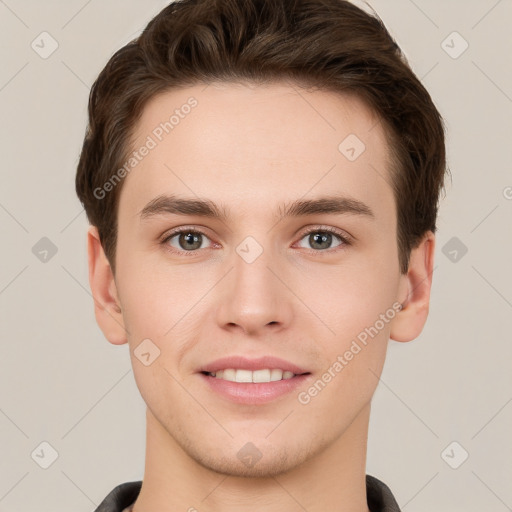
{"x":62,"y":383}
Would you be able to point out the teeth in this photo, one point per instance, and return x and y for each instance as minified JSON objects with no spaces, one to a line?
{"x":266,"y":375}
{"x":243,"y":376}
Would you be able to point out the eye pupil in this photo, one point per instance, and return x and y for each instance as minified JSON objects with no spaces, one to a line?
{"x":190,"y":238}
{"x":320,"y":238}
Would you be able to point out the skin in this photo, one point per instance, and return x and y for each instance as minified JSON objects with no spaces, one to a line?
{"x":251,"y":148}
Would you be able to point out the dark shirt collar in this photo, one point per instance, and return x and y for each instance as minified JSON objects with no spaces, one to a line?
{"x":378,"y":495}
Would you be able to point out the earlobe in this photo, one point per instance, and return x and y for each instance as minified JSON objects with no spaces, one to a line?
{"x":107,"y":307}
{"x":415,"y":292}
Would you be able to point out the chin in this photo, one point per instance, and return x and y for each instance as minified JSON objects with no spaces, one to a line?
{"x":266,"y":464}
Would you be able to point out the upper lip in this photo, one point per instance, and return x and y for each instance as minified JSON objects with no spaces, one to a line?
{"x":243,"y":363}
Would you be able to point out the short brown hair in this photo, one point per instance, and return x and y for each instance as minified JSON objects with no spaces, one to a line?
{"x":326,"y":44}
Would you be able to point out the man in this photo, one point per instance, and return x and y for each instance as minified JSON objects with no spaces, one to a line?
{"x":262,"y":182}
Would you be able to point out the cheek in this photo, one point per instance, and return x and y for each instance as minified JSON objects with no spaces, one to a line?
{"x":149,"y":306}
{"x":349,"y":297}
{"x":354,"y":355}
{"x":167,"y":309}
{"x":356,"y":308}
{"x":153,"y":296}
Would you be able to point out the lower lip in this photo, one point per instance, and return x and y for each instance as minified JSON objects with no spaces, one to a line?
{"x":254,"y":392}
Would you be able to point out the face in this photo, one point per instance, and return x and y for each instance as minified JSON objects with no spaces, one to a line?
{"x":316,"y":287}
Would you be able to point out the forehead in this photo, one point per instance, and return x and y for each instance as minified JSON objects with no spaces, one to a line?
{"x":259,"y":143}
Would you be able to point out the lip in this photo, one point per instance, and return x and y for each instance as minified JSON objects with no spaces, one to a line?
{"x":255,"y":393}
{"x":260,"y":363}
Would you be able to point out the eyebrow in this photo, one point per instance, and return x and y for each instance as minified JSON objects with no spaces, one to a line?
{"x":172,"y":204}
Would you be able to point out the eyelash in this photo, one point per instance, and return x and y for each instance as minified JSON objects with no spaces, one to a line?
{"x":345,"y":239}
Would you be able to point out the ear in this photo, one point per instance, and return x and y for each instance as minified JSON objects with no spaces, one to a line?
{"x":107,"y":307}
{"x":414,"y":292}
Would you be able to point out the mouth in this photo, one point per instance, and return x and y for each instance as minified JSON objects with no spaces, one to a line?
{"x":253,"y":381}
{"x":264,"y":375}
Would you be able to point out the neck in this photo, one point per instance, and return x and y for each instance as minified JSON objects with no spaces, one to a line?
{"x":334,"y":479}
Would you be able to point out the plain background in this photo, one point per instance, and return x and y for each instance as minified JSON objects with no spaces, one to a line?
{"x":62,"y":383}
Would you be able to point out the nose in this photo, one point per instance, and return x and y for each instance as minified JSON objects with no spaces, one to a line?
{"x":255,"y":297}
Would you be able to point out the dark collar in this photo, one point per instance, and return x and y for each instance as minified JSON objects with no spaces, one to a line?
{"x":378,"y":495}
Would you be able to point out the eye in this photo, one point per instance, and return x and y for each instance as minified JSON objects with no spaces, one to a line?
{"x":187,"y":241}
{"x":321,"y":239}
{"x":183,"y":239}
